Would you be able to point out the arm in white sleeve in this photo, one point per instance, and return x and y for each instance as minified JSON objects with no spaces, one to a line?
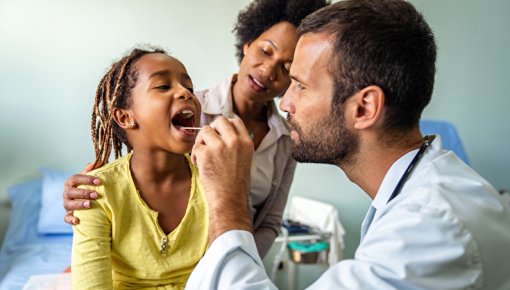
{"x":232,"y":261}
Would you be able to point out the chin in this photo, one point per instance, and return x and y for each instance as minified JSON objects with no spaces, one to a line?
{"x":185,"y":150}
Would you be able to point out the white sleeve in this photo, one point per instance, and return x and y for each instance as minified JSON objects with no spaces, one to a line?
{"x":232,"y":261}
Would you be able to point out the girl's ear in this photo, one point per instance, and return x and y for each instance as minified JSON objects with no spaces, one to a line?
{"x":123,"y":118}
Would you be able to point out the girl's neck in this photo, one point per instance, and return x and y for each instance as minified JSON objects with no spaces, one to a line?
{"x":158,"y":167}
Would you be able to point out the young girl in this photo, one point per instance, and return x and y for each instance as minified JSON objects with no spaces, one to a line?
{"x":148,"y":228}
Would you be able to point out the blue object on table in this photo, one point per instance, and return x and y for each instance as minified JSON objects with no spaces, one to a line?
{"x":294,"y":227}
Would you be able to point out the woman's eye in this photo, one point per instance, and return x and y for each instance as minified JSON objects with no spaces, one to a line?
{"x":285,"y":69}
{"x":191,"y":90}
{"x":264,"y":51}
{"x":300,"y":86}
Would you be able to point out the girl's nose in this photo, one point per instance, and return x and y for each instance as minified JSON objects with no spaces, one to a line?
{"x":184,"y":94}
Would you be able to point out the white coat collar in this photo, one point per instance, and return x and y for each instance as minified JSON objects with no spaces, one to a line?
{"x":398,"y":168}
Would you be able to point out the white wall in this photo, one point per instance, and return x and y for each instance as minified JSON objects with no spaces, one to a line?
{"x":53,"y":53}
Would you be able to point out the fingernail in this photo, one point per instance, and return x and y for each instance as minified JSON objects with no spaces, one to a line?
{"x":86,"y":204}
{"x":93,"y":195}
{"x":96,"y":181}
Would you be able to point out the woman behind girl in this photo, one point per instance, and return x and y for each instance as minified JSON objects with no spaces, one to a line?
{"x":265,"y":41}
{"x":148,"y":227}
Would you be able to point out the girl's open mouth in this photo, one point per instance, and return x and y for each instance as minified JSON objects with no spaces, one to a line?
{"x":185,"y":118}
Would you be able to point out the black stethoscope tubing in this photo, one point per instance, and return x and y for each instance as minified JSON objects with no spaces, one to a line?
{"x":427,"y":141}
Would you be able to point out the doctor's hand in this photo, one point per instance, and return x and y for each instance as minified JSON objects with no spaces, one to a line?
{"x":223,"y":152}
{"x":78,"y":198}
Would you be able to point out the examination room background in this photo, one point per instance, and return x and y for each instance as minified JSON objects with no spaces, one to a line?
{"x":53,"y":53}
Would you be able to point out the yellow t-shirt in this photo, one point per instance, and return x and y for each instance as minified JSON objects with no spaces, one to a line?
{"x":119,"y":244}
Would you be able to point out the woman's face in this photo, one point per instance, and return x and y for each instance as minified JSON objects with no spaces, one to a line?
{"x":163,"y":103}
{"x":264,"y":70}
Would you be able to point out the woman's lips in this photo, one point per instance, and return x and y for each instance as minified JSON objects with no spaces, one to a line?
{"x":256,"y":85}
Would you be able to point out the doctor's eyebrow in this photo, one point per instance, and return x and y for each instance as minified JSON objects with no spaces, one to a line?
{"x":296,"y":78}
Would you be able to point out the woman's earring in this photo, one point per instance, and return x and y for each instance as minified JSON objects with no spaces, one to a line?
{"x":132,"y":124}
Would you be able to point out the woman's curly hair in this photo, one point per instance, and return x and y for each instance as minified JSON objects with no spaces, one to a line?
{"x":260,"y":15}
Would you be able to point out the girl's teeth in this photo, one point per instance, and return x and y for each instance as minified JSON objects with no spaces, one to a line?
{"x":187,"y":113}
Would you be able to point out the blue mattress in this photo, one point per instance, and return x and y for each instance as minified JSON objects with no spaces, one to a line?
{"x":25,"y":252}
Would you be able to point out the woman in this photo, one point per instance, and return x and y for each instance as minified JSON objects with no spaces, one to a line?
{"x":265,"y":41}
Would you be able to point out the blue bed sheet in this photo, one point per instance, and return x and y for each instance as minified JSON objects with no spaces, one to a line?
{"x":25,"y":252}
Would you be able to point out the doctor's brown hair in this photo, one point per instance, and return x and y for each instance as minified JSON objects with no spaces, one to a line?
{"x":114,"y":91}
{"x":386,"y":43}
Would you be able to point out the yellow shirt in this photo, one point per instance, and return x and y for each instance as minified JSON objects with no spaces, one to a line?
{"x":120,"y":245}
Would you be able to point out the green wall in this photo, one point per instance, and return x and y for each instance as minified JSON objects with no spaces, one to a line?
{"x":53,"y":53}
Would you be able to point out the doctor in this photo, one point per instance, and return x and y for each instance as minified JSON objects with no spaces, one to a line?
{"x":362,"y":74}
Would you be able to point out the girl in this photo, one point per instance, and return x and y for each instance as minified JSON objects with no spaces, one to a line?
{"x":148,"y":227}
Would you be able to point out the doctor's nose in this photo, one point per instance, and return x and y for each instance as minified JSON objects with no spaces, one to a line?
{"x":286,"y":104}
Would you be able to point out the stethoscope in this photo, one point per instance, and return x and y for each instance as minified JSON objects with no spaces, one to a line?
{"x":427,"y":141}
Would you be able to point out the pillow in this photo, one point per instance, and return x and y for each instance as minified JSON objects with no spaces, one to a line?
{"x":25,"y":199}
{"x":51,"y":215}
{"x":18,"y":192}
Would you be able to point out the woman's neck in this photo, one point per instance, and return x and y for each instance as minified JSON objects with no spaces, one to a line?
{"x":246,"y":109}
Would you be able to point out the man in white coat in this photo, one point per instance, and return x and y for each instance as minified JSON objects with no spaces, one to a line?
{"x":363,"y":72}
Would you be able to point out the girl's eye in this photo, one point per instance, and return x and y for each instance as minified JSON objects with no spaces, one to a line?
{"x":191,"y":90}
{"x":163,"y":87}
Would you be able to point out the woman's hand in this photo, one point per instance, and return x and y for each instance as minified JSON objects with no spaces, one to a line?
{"x":78,"y":198}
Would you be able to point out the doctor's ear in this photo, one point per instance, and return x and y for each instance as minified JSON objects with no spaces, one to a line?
{"x":123,"y":119}
{"x":367,"y":107}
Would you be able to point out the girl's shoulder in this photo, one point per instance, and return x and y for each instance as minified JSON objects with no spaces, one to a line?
{"x":118,"y":166}
{"x":112,"y":175}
